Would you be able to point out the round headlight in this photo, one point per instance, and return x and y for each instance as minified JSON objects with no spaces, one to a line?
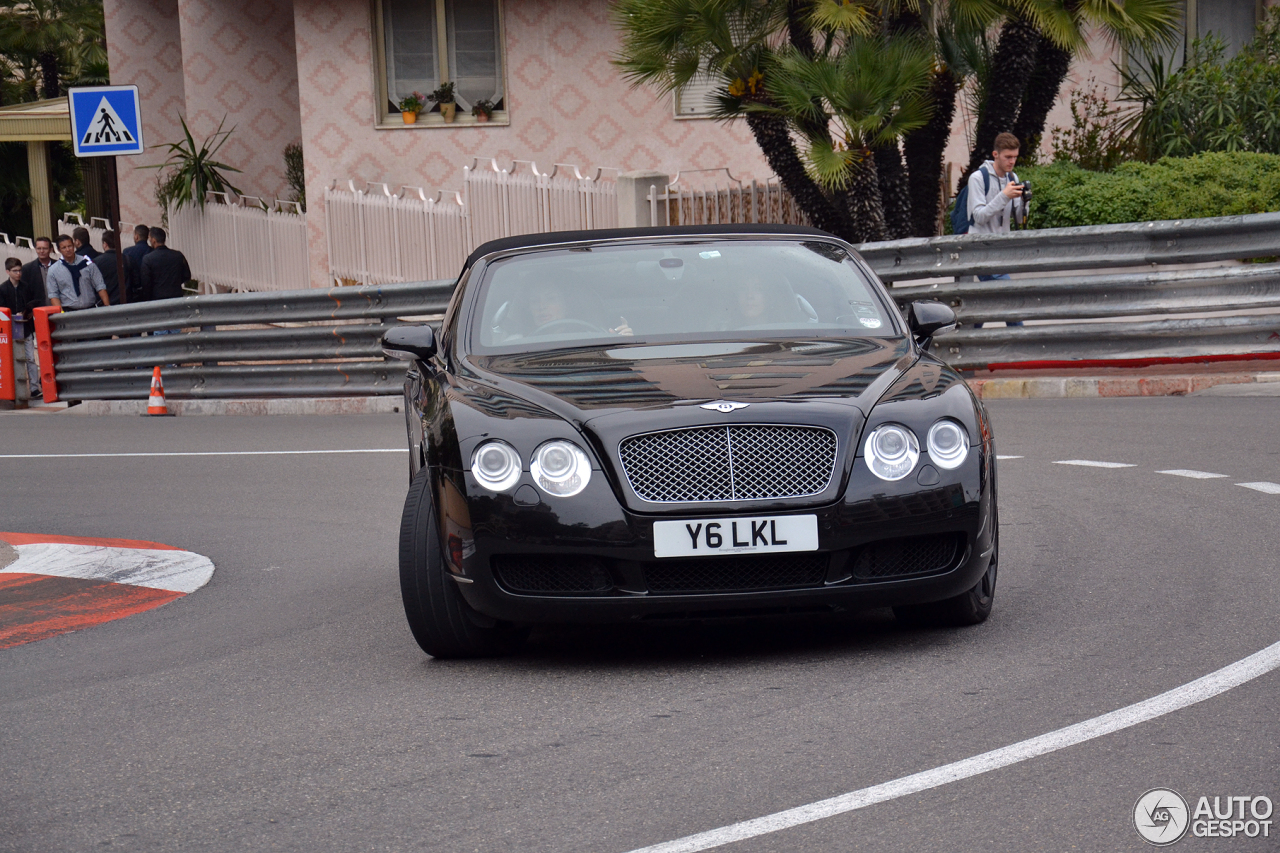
{"x":891,"y":451}
{"x":560,"y":468}
{"x":496,"y":465}
{"x":947,"y":443}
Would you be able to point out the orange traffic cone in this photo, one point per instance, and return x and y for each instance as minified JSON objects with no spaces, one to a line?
{"x":155,"y":404}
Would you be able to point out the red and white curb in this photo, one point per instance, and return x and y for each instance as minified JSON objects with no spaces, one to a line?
{"x":59,"y":584}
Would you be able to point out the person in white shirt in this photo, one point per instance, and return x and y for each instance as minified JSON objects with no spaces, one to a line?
{"x":74,"y":283}
{"x":995,"y":196}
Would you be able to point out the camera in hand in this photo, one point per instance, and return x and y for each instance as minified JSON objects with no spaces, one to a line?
{"x":1026,"y":190}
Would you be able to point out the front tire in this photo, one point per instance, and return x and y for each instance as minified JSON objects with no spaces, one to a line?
{"x":968,"y":608}
{"x":442,"y":622}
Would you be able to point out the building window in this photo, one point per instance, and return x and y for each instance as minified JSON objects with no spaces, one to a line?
{"x":697,"y":99}
{"x":425,"y":43}
{"x":1233,"y":21}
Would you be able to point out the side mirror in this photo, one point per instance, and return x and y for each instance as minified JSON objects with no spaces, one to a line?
{"x":927,"y":318}
{"x":407,"y":342}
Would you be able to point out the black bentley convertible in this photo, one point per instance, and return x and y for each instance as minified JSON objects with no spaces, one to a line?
{"x":672,"y":422}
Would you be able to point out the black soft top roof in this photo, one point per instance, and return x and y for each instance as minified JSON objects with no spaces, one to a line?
{"x":552,"y":238}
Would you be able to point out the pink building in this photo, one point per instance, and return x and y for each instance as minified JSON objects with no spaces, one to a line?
{"x":326,"y":74}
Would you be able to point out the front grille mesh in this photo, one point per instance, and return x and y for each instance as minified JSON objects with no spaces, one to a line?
{"x":916,"y":555}
{"x":736,"y":574}
{"x":546,"y":573}
{"x":729,"y":463}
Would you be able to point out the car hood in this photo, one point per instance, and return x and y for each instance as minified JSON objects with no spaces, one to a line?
{"x":587,"y":384}
{"x":611,"y":393}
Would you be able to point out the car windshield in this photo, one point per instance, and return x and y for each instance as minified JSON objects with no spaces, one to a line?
{"x":676,"y":292}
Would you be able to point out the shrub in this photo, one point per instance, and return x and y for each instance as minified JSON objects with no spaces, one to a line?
{"x":1207,"y":185}
{"x":1210,"y":103}
{"x":294,"y":174}
{"x":1096,"y":138}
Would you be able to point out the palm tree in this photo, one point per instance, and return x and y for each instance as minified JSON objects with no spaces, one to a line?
{"x":871,"y":91}
{"x":670,"y":43}
{"x":60,"y":38}
{"x":1034,"y":51}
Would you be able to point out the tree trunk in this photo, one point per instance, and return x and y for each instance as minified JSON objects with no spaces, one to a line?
{"x":49,"y":73}
{"x":924,"y":149}
{"x":895,"y":198}
{"x":1052,"y":64}
{"x":774,"y":138}
{"x":862,"y":200}
{"x":1011,"y":66}
{"x":798,"y":32}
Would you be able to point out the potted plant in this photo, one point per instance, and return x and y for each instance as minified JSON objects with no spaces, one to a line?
{"x":411,"y":105}
{"x":443,"y":95}
{"x":482,"y":110}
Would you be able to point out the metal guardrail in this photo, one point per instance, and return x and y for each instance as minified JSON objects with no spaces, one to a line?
{"x":328,"y":345}
{"x":325,"y":342}
{"x":1179,"y":241}
{"x":1141,"y":309}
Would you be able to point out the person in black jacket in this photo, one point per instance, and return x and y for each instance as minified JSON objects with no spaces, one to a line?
{"x":83,"y":246}
{"x":140,"y":248}
{"x":164,"y":270}
{"x":32,"y":289}
{"x":9,"y":287}
{"x":106,"y":264}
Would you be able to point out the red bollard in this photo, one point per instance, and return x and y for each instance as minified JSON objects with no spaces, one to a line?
{"x":44,"y":343}
{"x":8,"y":387}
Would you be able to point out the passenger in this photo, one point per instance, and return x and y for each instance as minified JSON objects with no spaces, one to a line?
{"x":548,"y":304}
{"x":760,"y":302}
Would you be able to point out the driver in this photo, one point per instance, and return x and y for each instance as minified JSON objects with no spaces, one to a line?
{"x":548,"y":303}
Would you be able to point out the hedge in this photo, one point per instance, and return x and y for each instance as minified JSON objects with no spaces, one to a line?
{"x":1206,"y":185}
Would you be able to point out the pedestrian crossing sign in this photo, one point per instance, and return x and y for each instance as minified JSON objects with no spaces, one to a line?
{"x":105,"y":121}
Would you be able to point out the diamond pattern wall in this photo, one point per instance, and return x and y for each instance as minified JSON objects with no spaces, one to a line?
{"x":288,"y":70}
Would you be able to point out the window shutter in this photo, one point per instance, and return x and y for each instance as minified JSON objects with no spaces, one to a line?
{"x":698,"y":98}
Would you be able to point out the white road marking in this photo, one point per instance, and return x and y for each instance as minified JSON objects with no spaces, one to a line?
{"x":998,"y":456}
{"x":1089,"y":463}
{"x":1211,"y":685}
{"x":1269,"y":488}
{"x":177,"y":571}
{"x":1195,"y":475}
{"x":201,"y":453}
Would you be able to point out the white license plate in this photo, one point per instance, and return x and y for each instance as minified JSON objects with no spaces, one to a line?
{"x":746,"y":535}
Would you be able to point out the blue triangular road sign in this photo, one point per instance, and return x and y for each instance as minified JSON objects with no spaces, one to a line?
{"x":105,"y":121}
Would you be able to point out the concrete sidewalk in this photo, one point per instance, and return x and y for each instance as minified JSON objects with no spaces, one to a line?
{"x":1165,"y":380}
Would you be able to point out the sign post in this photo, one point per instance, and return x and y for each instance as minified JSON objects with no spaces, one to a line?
{"x":106,"y":121}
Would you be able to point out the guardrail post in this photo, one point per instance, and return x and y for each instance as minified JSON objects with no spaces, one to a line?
{"x":633,"y":197}
{"x":44,"y":345}
{"x":8,"y":372}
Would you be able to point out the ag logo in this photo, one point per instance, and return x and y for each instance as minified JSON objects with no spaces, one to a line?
{"x":1161,"y":816}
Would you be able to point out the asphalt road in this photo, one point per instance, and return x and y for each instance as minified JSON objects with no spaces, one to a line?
{"x":285,"y":706}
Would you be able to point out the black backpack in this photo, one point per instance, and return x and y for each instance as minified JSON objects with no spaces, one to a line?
{"x":960,"y":219}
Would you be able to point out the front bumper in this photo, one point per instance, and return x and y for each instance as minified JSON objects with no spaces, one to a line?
{"x":592,"y":530}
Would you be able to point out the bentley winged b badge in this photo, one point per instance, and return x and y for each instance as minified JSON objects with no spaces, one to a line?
{"x":724,"y":406}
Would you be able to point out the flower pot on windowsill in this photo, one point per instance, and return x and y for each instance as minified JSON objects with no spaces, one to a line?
{"x":409,"y":118}
{"x":449,"y":112}
{"x":481,"y":118}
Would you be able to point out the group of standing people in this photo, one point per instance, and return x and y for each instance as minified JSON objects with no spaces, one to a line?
{"x":81,"y":277}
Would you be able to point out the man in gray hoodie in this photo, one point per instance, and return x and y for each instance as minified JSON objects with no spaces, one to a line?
{"x":995,"y":196}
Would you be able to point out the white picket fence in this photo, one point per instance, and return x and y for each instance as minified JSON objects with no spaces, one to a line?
{"x":22,"y":248}
{"x":376,"y":237}
{"x":243,"y":244}
{"x":716,"y":197}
